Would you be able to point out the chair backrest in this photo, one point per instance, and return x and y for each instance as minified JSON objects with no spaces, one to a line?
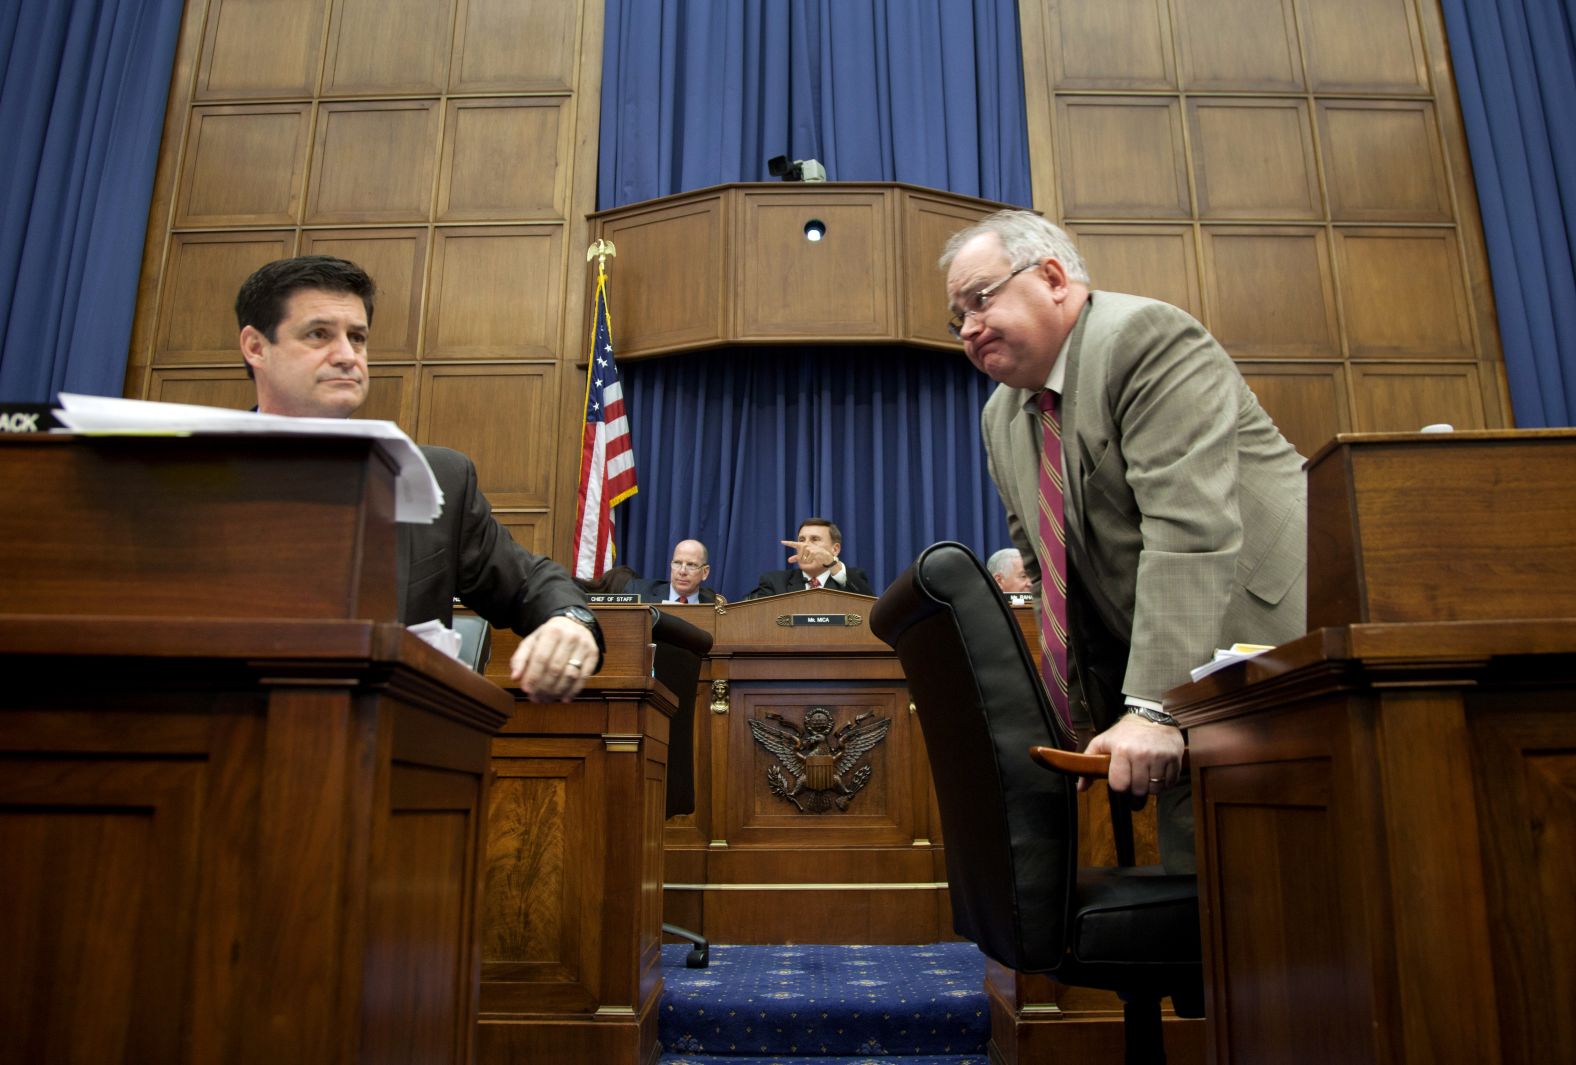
{"x":475,"y":640}
{"x":1010,"y":828}
{"x":676,"y":662}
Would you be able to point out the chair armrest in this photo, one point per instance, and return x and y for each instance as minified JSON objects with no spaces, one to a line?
{"x":1097,"y":766}
{"x":1071,"y":763}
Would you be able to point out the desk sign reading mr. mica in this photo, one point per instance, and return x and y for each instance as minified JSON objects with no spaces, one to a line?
{"x":795,"y":620}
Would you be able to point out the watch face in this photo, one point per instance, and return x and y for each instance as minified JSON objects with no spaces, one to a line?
{"x":580,"y":614}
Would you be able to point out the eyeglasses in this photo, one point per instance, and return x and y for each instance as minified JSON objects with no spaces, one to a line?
{"x":687,"y":566}
{"x":976,"y":302}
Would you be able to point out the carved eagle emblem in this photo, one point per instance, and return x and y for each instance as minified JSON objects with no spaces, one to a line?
{"x":818,"y":768}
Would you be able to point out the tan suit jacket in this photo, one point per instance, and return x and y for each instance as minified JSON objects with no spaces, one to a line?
{"x":1189,"y":509}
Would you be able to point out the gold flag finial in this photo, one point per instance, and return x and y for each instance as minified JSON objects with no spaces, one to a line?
{"x":599,"y":250}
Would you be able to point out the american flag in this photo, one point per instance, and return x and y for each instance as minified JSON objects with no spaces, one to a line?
{"x":607,"y":462}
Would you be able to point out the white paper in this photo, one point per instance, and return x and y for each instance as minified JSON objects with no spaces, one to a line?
{"x":1225,"y":656}
{"x":418,"y":498}
{"x":436,"y":634}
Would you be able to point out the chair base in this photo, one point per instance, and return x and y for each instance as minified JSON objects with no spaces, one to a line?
{"x":700,"y":955}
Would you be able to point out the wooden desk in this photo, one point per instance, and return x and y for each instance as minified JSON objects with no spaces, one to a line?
{"x":240,"y":807}
{"x":572,"y":911}
{"x":238,"y":841}
{"x":1387,"y":845}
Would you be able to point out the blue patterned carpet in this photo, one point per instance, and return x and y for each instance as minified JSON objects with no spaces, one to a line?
{"x":850,"y":1005}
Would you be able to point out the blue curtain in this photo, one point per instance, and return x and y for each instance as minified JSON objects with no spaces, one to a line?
{"x":1515,"y":65}
{"x":81,"y":111}
{"x":735,"y":447}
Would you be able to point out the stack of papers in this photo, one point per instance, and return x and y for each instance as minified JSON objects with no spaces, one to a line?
{"x":418,"y":498}
{"x":1225,"y":656}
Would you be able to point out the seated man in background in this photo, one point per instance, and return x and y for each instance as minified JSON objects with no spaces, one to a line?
{"x":690,"y":566}
{"x":1006,"y":566}
{"x":304,"y":328}
{"x":815,"y":551}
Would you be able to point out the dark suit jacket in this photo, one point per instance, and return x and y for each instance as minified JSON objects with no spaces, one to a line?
{"x":778,"y":581}
{"x":655,"y":591}
{"x":465,"y":553}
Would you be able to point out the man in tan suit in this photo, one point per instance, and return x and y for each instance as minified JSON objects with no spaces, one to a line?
{"x":1185,"y":508}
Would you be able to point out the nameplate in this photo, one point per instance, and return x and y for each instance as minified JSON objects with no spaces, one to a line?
{"x":1020,"y":598}
{"x":840,"y":620}
{"x":607,"y":598}
{"x":26,"y":418}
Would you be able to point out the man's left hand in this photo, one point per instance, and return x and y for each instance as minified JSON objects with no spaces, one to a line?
{"x":1146,"y":758}
{"x":551,"y":665}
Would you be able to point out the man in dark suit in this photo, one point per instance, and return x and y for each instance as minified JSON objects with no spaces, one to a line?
{"x":816,"y":552}
{"x":687,"y":572}
{"x":1185,"y":509}
{"x":304,"y":327}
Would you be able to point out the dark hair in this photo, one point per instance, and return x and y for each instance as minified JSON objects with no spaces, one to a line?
{"x":837,"y":534}
{"x":261,"y":301}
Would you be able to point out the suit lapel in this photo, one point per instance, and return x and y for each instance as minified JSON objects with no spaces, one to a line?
{"x":1072,"y":447}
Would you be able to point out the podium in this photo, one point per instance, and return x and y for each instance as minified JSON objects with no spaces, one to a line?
{"x":241,"y":808}
{"x":1384,"y":808}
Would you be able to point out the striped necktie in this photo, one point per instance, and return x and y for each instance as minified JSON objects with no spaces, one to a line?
{"x":1053,"y":561}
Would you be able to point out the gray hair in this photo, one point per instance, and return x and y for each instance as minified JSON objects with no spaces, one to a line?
{"x":997,"y":563}
{"x":1026,"y":237}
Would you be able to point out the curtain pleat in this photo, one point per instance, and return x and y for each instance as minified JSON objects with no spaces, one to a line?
{"x":81,"y":114}
{"x":1515,"y":68}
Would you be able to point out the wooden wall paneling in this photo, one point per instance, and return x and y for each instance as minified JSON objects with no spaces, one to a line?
{"x":1383,"y":161}
{"x":1464,"y":208}
{"x":1254,"y":158}
{"x":262,"y":48}
{"x":1307,"y":400}
{"x":666,"y":287}
{"x":1404,"y":397}
{"x":507,"y":46}
{"x":1402,"y":293}
{"x":196,"y":322}
{"x":391,"y":396}
{"x":245,"y":165}
{"x":397,"y":261}
{"x":926,"y":223}
{"x":504,"y":418}
{"x":1115,"y":44}
{"x":505,"y":158}
{"x":161,"y":210}
{"x":1158,"y":261}
{"x":1261,"y":53}
{"x":1122,"y":157}
{"x":378,"y":47}
{"x":843,"y":284}
{"x":206,"y":388}
{"x":1037,"y":29}
{"x":496,"y":292}
{"x":373,"y":161}
{"x":1242,"y":263}
{"x":531,"y":531}
{"x":1363,"y":46}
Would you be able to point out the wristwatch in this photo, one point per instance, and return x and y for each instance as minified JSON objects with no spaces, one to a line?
{"x":1158,"y":717}
{"x":588,"y":619}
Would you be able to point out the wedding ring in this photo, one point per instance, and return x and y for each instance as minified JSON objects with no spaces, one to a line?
{"x":1157,"y":780}
{"x":573,"y":662}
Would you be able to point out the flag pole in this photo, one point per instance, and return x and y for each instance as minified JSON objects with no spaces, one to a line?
{"x":607,"y":464}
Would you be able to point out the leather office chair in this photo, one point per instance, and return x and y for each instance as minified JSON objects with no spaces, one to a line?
{"x":680,"y":647}
{"x":475,"y":640}
{"x":1010,"y":827}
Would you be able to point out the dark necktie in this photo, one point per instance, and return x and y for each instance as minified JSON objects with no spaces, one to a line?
{"x":1053,"y":561}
